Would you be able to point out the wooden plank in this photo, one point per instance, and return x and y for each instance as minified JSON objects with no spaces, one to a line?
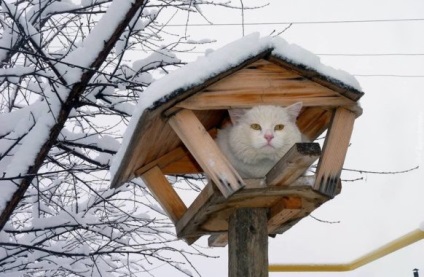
{"x":210,"y":210}
{"x":128,"y":163}
{"x":287,"y":208}
{"x":265,"y":83}
{"x":281,"y":217}
{"x":229,"y":100}
{"x":313,"y":121}
{"x":293,"y":164}
{"x":248,"y":243}
{"x":206,"y":152}
{"x":308,"y":206}
{"x":152,"y":139}
{"x":164,"y":193}
{"x":218,"y":240}
{"x":185,"y":165}
{"x":334,"y":151}
{"x":264,"y":75}
{"x":301,"y":187}
{"x":318,"y":78}
{"x":193,"y":218}
{"x":177,"y":161}
{"x":163,"y":161}
{"x":258,"y":69}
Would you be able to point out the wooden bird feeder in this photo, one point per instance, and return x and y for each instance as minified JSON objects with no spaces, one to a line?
{"x":175,"y":136}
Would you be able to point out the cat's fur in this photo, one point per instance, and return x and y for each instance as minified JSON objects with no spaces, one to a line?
{"x":254,"y":152}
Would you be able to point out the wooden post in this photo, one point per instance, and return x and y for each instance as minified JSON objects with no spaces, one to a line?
{"x":334,"y":151}
{"x":164,"y":193}
{"x":248,"y":243}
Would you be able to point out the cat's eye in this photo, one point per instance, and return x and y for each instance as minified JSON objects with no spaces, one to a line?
{"x":255,"y":126}
{"x":278,"y":127}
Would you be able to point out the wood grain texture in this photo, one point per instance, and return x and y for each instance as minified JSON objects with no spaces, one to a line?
{"x":313,"y":121}
{"x":207,"y":154}
{"x":318,"y":78}
{"x":191,"y":221}
{"x":210,"y":211}
{"x":263,"y":79}
{"x":218,"y":240}
{"x":164,"y":193}
{"x":294,"y":163}
{"x":264,"y":83}
{"x":163,"y":161}
{"x":185,"y":165}
{"x":334,"y":151}
{"x":280,"y":217}
{"x":248,"y":243}
{"x":284,"y":210}
{"x":153,"y":139}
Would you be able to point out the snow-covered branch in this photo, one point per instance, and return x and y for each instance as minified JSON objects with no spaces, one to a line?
{"x":67,"y":90}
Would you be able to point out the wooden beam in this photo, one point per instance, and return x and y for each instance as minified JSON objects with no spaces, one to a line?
{"x":210,"y":209}
{"x":317,"y":78}
{"x":185,"y":165}
{"x":177,"y":161}
{"x":286,"y":209}
{"x":206,"y":152}
{"x":334,"y":151}
{"x":218,"y":240}
{"x":243,"y":99}
{"x":283,"y":211}
{"x":294,"y":163}
{"x":313,"y":121}
{"x":248,"y":243}
{"x":164,"y":193}
{"x":266,"y":83}
{"x":194,"y":216}
{"x":163,"y":161}
{"x":280,"y":217}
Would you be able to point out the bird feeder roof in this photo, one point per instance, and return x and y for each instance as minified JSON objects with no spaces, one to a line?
{"x":250,"y":71}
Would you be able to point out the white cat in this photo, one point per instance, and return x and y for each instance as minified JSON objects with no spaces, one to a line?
{"x":259,"y":138}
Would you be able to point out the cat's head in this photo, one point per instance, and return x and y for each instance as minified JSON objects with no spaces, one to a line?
{"x":264,"y":131}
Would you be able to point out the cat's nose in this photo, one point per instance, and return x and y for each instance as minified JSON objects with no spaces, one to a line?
{"x":268,"y":136}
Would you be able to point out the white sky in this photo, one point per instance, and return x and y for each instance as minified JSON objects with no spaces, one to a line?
{"x":389,"y":136}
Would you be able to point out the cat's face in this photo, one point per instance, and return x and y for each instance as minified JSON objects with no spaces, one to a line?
{"x":266,"y":130}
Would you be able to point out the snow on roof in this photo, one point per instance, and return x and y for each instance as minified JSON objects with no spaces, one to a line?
{"x":221,"y":60}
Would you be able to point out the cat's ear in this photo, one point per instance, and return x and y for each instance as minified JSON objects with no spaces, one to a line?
{"x":236,"y":114}
{"x":294,"y":110}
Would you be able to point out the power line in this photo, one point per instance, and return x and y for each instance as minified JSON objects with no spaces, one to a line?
{"x":296,"y":22}
{"x":388,"y":75}
{"x":370,"y":54}
{"x":318,"y":54}
{"x":326,"y":54}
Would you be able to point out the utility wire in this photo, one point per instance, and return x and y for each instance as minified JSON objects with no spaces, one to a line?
{"x":388,"y":75}
{"x":295,"y":22}
{"x":370,"y":54}
{"x":325,"y":54}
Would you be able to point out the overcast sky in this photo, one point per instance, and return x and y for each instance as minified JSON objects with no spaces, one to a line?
{"x":389,"y":136}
